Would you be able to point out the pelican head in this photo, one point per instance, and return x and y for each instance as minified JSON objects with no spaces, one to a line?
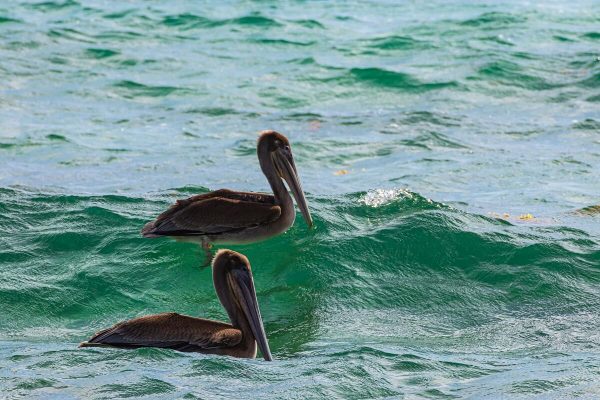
{"x":235,"y":268}
{"x":278,"y":148}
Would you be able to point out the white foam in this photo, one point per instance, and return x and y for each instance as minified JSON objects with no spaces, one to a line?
{"x":379,"y":197}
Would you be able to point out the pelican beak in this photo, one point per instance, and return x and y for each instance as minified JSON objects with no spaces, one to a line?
{"x":285,"y":163}
{"x":249,"y":304}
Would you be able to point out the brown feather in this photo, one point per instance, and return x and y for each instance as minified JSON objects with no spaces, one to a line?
{"x":169,"y":330}
{"x":214,"y":213}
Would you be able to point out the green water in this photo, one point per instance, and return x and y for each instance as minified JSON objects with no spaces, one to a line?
{"x":424,"y":135}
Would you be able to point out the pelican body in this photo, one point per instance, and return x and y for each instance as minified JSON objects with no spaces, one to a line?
{"x":226,"y":216}
{"x":234,"y":285}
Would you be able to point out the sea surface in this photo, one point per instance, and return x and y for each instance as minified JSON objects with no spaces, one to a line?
{"x":450,"y":151}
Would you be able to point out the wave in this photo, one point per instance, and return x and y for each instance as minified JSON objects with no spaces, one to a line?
{"x":187,"y":21}
{"x":216,"y":111}
{"x":131,"y":89}
{"x":308,"y":23}
{"x":591,"y":82}
{"x":592,"y":35}
{"x":379,"y":77}
{"x":395,"y":42}
{"x":494,"y":20}
{"x":77,"y":256}
{"x":281,"y":42}
{"x":594,"y":99}
{"x":587,"y":124}
{"x":6,"y":20}
{"x":100,"y":54}
{"x":512,"y":74}
{"x":430,"y":118}
{"x":255,"y":20}
{"x":53,"y":5}
{"x":70,"y":34}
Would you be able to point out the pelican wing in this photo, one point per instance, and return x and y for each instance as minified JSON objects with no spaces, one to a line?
{"x":214,"y":213}
{"x":169,"y":331}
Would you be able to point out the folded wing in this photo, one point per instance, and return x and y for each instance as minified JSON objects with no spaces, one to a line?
{"x":214,"y":213}
{"x":168,"y":331}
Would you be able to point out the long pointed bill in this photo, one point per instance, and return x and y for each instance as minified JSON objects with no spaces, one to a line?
{"x":288,"y":170}
{"x":247,"y":297}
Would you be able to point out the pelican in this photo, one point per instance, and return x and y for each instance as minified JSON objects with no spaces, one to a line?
{"x":234,"y":285}
{"x":226,"y":216}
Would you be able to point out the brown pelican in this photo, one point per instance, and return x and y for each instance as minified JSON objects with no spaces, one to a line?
{"x":234,"y":285}
{"x":225,"y":216}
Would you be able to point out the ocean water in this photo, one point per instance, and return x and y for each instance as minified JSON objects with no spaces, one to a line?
{"x":450,"y":152}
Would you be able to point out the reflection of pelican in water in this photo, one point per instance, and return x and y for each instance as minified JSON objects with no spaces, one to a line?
{"x":234,"y":285}
{"x":225,"y":216}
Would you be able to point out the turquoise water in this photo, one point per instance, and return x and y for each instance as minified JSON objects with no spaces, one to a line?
{"x":449,"y":151}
